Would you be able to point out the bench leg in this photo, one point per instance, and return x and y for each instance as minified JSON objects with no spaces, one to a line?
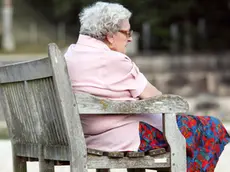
{"x":102,"y":170}
{"x":46,"y":166}
{"x":136,"y":170}
{"x":175,"y":138}
{"x":19,"y":164}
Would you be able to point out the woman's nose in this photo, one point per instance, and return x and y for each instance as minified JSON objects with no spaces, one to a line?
{"x":130,"y":39}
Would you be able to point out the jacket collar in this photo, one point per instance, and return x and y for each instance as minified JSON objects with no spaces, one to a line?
{"x":91,"y":42}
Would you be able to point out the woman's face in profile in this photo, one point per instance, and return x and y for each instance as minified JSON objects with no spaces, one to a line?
{"x":122,"y":37}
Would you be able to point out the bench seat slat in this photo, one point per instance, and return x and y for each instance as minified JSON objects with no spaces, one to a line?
{"x":155,"y":152}
{"x":95,"y":161}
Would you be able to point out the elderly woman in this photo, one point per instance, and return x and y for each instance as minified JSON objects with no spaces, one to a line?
{"x":97,"y":64}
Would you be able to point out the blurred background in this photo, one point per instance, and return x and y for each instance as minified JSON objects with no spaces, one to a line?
{"x":173,"y":26}
{"x":182,"y":46}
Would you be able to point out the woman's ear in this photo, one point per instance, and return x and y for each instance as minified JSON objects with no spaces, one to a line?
{"x":110,"y":38}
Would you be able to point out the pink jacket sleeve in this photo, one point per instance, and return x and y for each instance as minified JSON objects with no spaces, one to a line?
{"x":123,"y":74}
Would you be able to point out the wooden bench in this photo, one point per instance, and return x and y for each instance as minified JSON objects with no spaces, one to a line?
{"x":42,"y":115}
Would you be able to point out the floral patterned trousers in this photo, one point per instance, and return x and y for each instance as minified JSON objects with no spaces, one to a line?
{"x":205,"y":140}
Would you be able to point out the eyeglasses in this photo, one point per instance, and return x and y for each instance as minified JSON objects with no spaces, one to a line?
{"x":128,"y":33}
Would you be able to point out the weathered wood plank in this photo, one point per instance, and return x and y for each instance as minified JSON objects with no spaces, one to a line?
{"x":52,"y":125}
{"x":89,"y":104}
{"x":177,"y":143}
{"x":94,"y":152}
{"x":155,"y":152}
{"x":44,"y":165}
{"x":24,"y":71}
{"x":103,"y":162}
{"x":23,"y":124}
{"x":69,"y":110}
{"x":25,"y":150}
{"x":55,"y":152}
{"x":115,"y":154}
{"x":135,"y":154}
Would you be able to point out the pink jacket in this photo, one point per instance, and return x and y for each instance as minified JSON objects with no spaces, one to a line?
{"x":96,"y":69}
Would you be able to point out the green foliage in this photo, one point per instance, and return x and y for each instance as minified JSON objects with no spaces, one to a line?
{"x":159,"y":13}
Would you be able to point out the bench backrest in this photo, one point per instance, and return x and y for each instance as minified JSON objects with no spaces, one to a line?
{"x":38,"y":104}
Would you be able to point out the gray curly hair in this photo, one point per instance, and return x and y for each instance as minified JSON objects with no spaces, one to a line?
{"x":102,"y":18}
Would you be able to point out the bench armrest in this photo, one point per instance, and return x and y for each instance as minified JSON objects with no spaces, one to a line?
{"x":168,"y":103}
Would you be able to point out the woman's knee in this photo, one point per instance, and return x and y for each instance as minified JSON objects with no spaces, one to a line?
{"x":215,"y":120}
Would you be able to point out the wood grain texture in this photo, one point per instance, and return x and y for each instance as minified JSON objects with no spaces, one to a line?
{"x":94,"y":152}
{"x":177,"y":143}
{"x":51,"y":120}
{"x":135,"y":154}
{"x":44,"y":165}
{"x":25,"y":150}
{"x":22,"y":123}
{"x":24,"y":71}
{"x":29,"y":105}
{"x":69,"y":110}
{"x":155,"y":152}
{"x":89,"y":104}
{"x":103,"y":162}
